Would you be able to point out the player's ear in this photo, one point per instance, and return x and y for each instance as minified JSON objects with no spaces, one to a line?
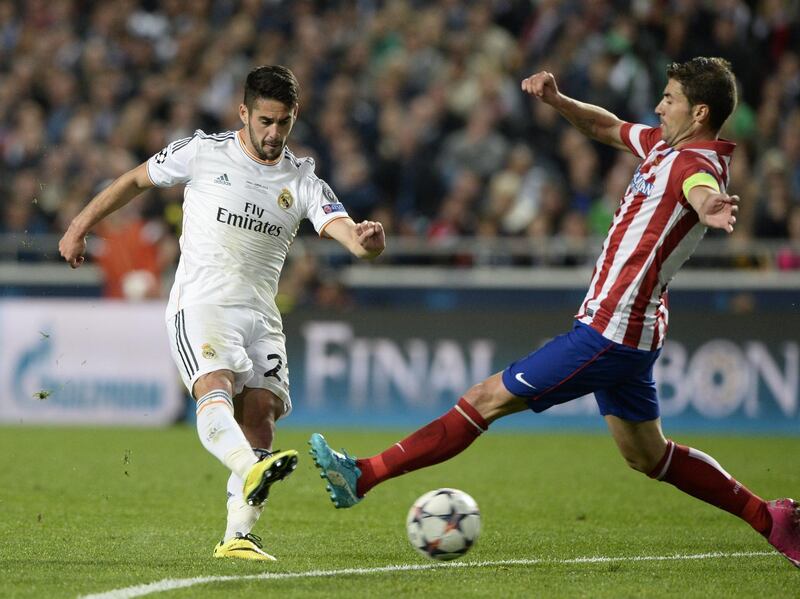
{"x":701,"y":113}
{"x":243,"y":113}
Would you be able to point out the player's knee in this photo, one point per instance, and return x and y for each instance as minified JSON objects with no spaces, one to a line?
{"x":492,"y":400}
{"x":635,"y":463}
{"x":639,"y":461}
{"x":211,"y":381}
{"x":479,"y":396}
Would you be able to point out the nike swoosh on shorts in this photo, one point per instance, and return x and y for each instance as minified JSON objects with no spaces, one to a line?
{"x":522,"y":380}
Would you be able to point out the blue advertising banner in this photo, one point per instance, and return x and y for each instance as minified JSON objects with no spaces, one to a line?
{"x":86,"y":362}
{"x":96,"y":362}
{"x":395,"y":367}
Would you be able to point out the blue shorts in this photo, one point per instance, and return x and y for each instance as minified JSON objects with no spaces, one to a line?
{"x":582,"y":362}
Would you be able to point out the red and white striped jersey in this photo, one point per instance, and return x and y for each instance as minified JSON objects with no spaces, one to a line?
{"x":653,"y":233}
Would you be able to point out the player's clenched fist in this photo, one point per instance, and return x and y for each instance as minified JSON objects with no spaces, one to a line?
{"x":542,"y":85}
{"x":72,"y":248}
{"x":371,"y":236}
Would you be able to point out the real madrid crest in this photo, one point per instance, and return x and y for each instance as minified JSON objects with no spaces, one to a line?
{"x":208,"y":351}
{"x":285,"y":199}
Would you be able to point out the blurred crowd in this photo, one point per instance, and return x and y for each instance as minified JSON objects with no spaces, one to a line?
{"x":411,"y":108}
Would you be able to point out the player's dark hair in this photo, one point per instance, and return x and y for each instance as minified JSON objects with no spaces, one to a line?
{"x":272,"y":82}
{"x":708,"y":81}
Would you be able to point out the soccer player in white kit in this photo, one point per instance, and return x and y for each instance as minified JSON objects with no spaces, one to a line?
{"x":244,"y":198}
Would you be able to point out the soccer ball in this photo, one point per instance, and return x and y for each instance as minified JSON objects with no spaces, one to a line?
{"x":443,"y":524}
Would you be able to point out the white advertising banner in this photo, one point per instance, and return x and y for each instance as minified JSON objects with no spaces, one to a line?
{"x":86,"y":362}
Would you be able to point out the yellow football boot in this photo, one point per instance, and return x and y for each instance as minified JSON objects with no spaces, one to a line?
{"x":276,"y":466}
{"x":243,"y":547}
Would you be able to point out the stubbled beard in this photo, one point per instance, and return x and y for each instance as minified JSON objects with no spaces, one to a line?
{"x":257,"y":147}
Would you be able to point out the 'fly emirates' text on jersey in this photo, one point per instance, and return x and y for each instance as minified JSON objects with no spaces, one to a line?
{"x":240,"y":216}
{"x":654,"y":231}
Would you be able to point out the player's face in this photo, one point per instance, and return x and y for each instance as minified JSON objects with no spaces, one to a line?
{"x":268,"y":126}
{"x":676,"y":115}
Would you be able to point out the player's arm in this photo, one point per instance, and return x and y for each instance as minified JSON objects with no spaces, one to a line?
{"x":593,"y":121}
{"x":364,"y":240}
{"x":73,"y":244}
{"x":714,"y":208}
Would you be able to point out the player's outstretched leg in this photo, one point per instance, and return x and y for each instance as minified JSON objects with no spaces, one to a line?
{"x":785,"y":532}
{"x":276,"y":466}
{"x":243,"y":547}
{"x":338,"y":469}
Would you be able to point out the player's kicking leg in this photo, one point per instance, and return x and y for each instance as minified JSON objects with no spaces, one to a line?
{"x":349,"y":478}
{"x":551,"y":375}
{"x":229,"y":428}
{"x":256,"y":411}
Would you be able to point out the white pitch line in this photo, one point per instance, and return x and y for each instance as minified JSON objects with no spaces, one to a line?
{"x":169,"y":584}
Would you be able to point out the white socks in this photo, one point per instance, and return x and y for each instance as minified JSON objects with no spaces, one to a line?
{"x":220,"y":433}
{"x":241,"y":517}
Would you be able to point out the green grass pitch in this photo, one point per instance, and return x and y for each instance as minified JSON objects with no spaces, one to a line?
{"x":92,"y":511}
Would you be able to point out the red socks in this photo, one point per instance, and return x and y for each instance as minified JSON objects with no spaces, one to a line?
{"x":688,"y":469}
{"x":448,"y":435}
{"x":700,"y":476}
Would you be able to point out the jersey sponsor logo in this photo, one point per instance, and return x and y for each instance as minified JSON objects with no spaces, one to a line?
{"x":330,"y":208}
{"x":223,"y":180}
{"x":247,"y":222}
{"x":285,"y":199}
{"x":522,"y":380}
{"x":641,"y":185}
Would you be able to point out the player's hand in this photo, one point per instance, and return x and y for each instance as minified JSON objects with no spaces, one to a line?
{"x":371,"y":237}
{"x":541,"y":85}
{"x":720,"y":211}
{"x":73,"y":248}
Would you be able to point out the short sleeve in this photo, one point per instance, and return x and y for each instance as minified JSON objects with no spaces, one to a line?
{"x":173,"y":165}
{"x":323,"y":205}
{"x":640,"y":139}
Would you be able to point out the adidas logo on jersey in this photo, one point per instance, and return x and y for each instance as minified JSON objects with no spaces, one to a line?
{"x":223,"y":179}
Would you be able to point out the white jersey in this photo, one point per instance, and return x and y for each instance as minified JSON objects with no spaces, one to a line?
{"x":240,"y":215}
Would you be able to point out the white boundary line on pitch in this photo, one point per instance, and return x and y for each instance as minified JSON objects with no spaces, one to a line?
{"x":170,"y":584}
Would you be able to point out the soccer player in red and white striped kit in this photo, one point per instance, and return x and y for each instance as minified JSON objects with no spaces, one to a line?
{"x":676,"y":193}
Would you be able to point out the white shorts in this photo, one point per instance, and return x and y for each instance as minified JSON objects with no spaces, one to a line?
{"x":206,"y":338}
